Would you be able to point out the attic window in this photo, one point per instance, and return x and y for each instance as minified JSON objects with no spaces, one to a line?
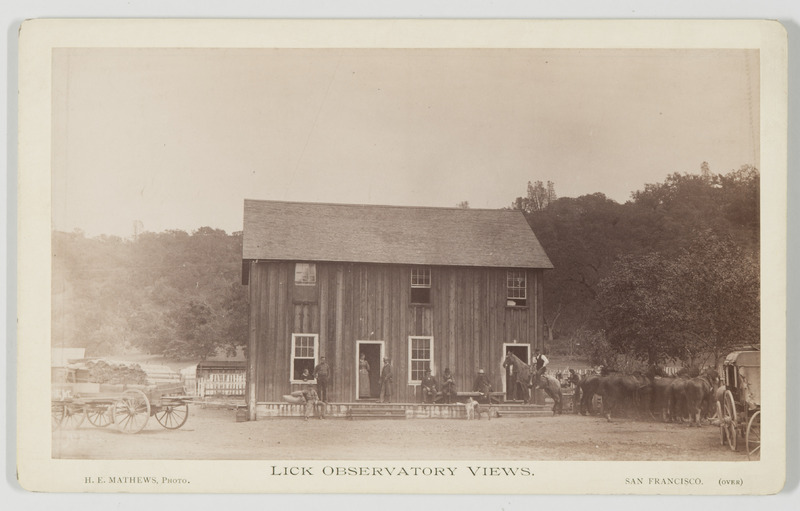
{"x":305,"y":274}
{"x":517,"y":289}
{"x":421,"y":285}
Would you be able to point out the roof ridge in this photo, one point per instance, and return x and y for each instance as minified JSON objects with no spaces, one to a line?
{"x":383,"y":206}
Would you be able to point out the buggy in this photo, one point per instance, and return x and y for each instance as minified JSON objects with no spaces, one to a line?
{"x":739,"y":401}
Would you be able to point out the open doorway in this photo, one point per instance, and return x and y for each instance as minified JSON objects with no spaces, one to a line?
{"x":513,"y":391}
{"x":368,"y":369}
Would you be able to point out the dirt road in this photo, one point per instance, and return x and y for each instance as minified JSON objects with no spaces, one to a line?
{"x":214,"y":434}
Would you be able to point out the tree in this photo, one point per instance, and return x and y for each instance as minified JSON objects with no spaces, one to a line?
{"x":538,"y":198}
{"x":585,"y":236}
{"x":701,"y":303}
{"x":464,"y":204}
{"x":640,"y":308}
{"x":170,"y":293}
{"x":721,"y":308}
{"x":582,"y":237}
{"x":197,"y":332}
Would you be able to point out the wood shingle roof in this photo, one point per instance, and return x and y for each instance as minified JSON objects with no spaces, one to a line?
{"x":304,"y":231}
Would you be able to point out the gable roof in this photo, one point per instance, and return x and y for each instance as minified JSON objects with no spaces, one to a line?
{"x":304,"y":231}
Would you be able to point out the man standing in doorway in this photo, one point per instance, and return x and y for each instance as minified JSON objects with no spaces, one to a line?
{"x":386,"y":381}
{"x":322,"y":374}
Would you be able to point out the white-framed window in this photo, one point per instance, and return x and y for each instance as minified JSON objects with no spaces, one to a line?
{"x":517,"y":286}
{"x":305,"y":274}
{"x":420,"y":358}
{"x":305,"y":356}
{"x":421,"y":285}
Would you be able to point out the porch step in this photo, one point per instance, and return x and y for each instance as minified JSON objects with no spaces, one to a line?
{"x":524,"y":413}
{"x":376,"y":413}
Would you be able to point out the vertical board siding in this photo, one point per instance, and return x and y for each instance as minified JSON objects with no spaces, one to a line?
{"x":467,"y":318}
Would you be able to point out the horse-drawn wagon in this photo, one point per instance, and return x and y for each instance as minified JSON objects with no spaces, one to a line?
{"x":128,"y":407}
{"x":739,"y":402}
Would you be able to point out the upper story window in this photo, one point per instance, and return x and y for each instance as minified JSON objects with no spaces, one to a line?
{"x":421,"y":285}
{"x":517,"y":289}
{"x":305,"y":274}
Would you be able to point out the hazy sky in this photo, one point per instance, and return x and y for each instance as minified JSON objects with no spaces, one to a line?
{"x":176,"y":139}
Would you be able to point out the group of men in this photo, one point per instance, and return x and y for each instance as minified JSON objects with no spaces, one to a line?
{"x":482,"y":384}
{"x":317,"y":398}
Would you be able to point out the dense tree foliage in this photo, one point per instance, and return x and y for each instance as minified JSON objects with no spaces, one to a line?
{"x":671,"y":274}
{"x":170,"y":293}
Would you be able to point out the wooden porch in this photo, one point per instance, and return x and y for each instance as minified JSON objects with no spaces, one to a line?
{"x":375,"y":410}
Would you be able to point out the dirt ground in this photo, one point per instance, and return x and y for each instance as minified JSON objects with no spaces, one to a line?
{"x":214,"y":434}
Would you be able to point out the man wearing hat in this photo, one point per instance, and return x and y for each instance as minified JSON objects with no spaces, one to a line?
{"x":482,"y":384}
{"x":386,"y":381}
{"x":322,"y":374}
{"x":429,"y":387}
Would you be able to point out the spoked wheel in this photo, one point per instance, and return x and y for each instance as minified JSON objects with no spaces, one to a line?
{"x":729,"y":419}
{"x":98,"y":415}
{"x":131,"y":412}
{"x":57,"y":413}
{"x":722,"y":427}
{"x":173,"y":416}
{"x":753,"y":436}
{"x":73,"y":416}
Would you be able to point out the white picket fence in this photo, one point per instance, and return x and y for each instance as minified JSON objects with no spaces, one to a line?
{"x":221,"y":384}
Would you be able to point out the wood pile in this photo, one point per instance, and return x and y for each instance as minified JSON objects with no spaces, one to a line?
{"x":101,"y":371}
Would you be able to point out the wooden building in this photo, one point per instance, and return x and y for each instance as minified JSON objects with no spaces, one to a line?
{"x":426,"y":287}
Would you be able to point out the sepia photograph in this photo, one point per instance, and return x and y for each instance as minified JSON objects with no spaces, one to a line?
{"x":436,"y":263}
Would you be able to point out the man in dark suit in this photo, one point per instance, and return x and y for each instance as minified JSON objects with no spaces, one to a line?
{"x":322,"y":374}
{"x":386,"y":381}
{"x":429,"y":387}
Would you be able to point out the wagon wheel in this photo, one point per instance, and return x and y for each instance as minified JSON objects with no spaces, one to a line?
{"x":722,"y":427}
{"x":753,"y":436}
{"x":131,"y":411}
{"x":73,"y":416}
{"x":57,"y":412}
{"x":172,"y":416}
{"x":729,"y":419}
{"x":98,"y":415}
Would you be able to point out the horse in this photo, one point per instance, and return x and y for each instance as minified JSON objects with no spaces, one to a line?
{"x":588,"y":388}
{"x":528,"y":378}
{"x":522,"y":374}
{"x":700,"y":395}
{"x":676,"y":399}
{"x":659,"y":399}
{"x":625,"y":390}
{"x":552,"y":388}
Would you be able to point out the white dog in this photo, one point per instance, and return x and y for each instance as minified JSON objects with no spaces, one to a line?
{"x":470,"y":406}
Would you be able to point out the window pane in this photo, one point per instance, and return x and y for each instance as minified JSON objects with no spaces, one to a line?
{"x":420,"y":357}
{"x":305,"y":274}
{"x":420,"y":277}
{"x":516,"y":283}
{"x":304,"y":347}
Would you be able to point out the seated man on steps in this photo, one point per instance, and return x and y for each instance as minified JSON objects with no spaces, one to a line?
{"x":482,"y":385}
{"x":429,"y":387}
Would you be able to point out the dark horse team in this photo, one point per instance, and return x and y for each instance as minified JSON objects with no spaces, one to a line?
{"x":687,"y":395}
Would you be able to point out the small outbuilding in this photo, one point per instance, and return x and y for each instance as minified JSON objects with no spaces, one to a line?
{"x":222,"y":375}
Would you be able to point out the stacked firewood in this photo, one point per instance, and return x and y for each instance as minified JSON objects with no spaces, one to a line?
{"x":101,"y":371}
